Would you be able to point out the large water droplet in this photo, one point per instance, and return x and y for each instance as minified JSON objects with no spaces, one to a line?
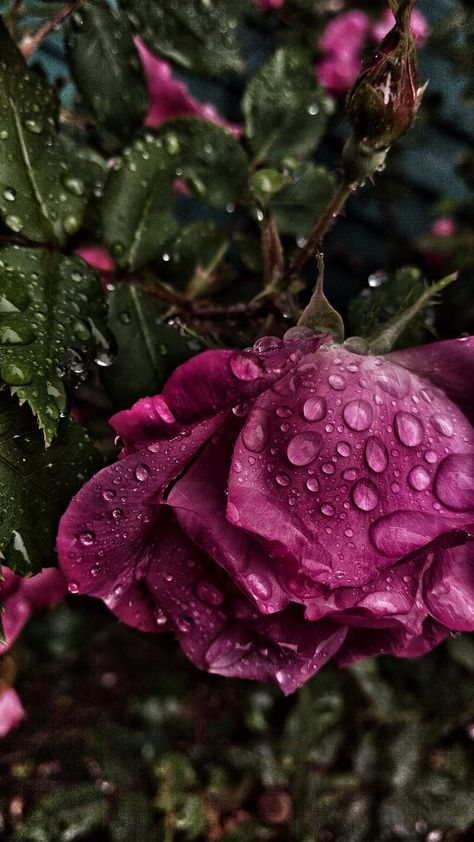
{"x":314,"y":409}
{"x":364,"y":495}
{"x":303,"y":448}
{"x":442,"y":424}
{"x":399,"y":533}
{"x":393,"y":380}
{"x":254,"y":434}
{"x":343,"y":448}
{"x":376,"y":454}
{"x":9,"y":194}
{"x":337,"y":382}
{"x":312,"y":484}
{"x":454,"y":481}
{"x":267,"y":345}
{"x":328,"y":510}
{"x":15,"y":375}
{"x":245,"y":367}
{"x":358,"y":414}
{"x":419,"y":478}
{"x":142,"y":472}
{"x":409,"y":429}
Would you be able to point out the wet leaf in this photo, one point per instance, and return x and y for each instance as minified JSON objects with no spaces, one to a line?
{"x":51,"y":312}
{"x":148,"y":348}
{"x":298,"y":205}
{"x":37,"y":484}
{"x":34,"y":172}
{"x":285,"y":109}
{"x":106,"y":67}
{"x":200,"y":36}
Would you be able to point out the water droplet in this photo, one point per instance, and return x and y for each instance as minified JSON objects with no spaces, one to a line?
{"x":303,"y":448}
{"x":9,"y":194}
{"x":358,"y":414}
{"x":314,"y":409}
{"x":282,"y":479}
{"x":409,"y":429}
{"x":267,"y":345}
{"x":343,"y":448}
{"x":245,"y":367}
{"x":142,"y":472}
{"x":74,"y":185}
{"x":15,"y":375}
{"x":254,"y":434}
{"x":376,"y":454}
{"x":327,"y":510}
{"x":356,"y":345}
{"x":284,"y":411}
{"x":364,"y":495}
{"x":312,"y":484}
{"x":431,"y":457}
{"x":33,"y":126}
{"x":108,"y":494}
{"x":87,"y":538}
{"x":454,"y":481}
{"x":328,"y":468}
{"x":337,"y":382}
{"x":71,"y":224}
{"x":185,"y":624}
{"x":419,"y":478}
{"x":442,"y":424}
{"x":209,"y":594}
{"x":393,"y":380}
{"x":14,"y":222}
{"x":259,"y":585}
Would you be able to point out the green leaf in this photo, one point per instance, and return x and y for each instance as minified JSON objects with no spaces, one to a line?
{"x":106,"y":67}
{"x":297,"y":207}
{"x":198,"y":35}
{"x":51,"y":310}
{"x":67,"y":814}
{"x":136,"y":209}
{"x":36,"y":484}
{"x":35,"y":199}
{"x":193,"y":253}
{"x":285,"y":109}
{"x":148,"y":349}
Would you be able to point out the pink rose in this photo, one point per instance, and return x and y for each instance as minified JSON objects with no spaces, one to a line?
{"x":282,"y":506}
{"x":22,"y":596}
{"x":11,"y":711}
{"x":170,"y":98}
{"x":342,"y":43}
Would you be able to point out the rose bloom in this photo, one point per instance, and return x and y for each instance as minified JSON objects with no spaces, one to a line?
{"x":20,"y":598}
{"x":289,"y":504}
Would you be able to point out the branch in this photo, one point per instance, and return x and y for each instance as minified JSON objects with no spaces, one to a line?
{"x":30,"y":43}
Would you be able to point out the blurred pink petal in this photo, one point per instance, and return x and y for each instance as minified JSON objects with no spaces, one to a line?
{"x":420,"y":28}
{"x":11,"y":711}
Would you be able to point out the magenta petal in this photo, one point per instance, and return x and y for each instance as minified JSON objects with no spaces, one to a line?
{"x":105,"y":534}
{"x":199,"y":502}
{"x":148,"y":419}
{"x":449,"y":587}
{"x":448,"y":365}
{"x":11,"y":711}
{"x":22,"y":596}
{"x":365,"y":643}
{"x":337,"y":468}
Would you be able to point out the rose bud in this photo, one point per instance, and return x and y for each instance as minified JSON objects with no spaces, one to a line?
{"x":289,"y":504}
{"x":385,"y":98}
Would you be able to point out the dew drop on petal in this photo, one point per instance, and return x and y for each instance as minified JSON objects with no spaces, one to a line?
{"x":409,"y":429}
{"x":327,"y":509}
{"x":87,"y":538}
{"x":282,"y":479}
{"x":337,"y":382}
{"x":350,"y":474}
{"x":245,"y":367}
{"x":254,"y":434}
{"x":419,"y":478}
{"x":358,"y":414}
{"x":312,"y":484}
{"x":314,"y":409}
{"x":376,"y":454}
{"x":442,"y":424}
{"x":209,"y":594}
{"x":431,"y":457}
{"x":364,"y":495}
{"x":343,"y":448}
{"x":454,"y":481}
{"x":393,"y":380}
{"x":303,"y":448}
{"x":142,"y":472}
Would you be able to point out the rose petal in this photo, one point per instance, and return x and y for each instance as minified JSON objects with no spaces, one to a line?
{"x":449,"y":587}
{"x":338,"y":464}
{"x":148,"y":420}
{"x":105,"y":535}
{"x":365,"y":643}
{"x":22,"y":596}
{"x":11,"y":711}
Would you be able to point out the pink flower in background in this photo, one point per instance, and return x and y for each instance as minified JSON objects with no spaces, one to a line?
{"x":11,"y":711}
{"x":21,"y":597}
{"x":97,"y":257}
{"x":420,"y":28}
{"x":286,"y":505}
{"x":268,"y":5}
{"x":342,"y":43}
{"x":170,"y":98}
{"x":444,"y":226}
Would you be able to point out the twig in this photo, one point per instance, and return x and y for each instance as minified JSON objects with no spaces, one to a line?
{"x":323,"y":225}
{"x":30,"y":43}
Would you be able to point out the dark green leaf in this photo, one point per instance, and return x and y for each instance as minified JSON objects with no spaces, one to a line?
{"x":36,"y":484}
{"x":285,"y":108}
{"x":136,"y":208}
{"x":148,"y":349}
{"x":51,"y":311}
{"x":207,"y":157}
{"x":35,"y":176}
{"x":193,"y":253}
{"x":298,"y":206}
{"x":198,"y":35}
{"x":106,"y":67}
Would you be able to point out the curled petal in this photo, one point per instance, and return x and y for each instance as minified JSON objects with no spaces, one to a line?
{"x":365,"y":643}
{"x":449,"y":587}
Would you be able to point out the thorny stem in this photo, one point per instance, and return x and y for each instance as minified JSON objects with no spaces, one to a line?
{"x":30,"y":43}
{"x":323,"y":225}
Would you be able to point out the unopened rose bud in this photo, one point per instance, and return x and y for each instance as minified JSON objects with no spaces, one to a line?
{"x":385,"y":98}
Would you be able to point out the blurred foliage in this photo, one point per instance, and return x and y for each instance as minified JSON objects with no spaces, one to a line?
{"x":125,"y":741}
